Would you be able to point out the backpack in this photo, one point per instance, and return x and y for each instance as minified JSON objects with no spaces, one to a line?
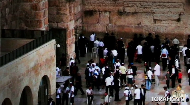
{"x":169,"y":95}
{"x":130,"y":97}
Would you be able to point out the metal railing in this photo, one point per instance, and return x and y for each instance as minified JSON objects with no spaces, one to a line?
{"x":25,"y":49}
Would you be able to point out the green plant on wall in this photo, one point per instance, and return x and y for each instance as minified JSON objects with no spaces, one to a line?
{"x":120,"y":13}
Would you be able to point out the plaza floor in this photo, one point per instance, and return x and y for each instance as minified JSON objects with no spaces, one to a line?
{"x":156,"y":91}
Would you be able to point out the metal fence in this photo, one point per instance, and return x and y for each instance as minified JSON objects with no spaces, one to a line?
{"x":25,"y":49}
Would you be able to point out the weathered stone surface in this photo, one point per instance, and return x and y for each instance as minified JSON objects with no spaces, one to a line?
{"x":28,"y":70}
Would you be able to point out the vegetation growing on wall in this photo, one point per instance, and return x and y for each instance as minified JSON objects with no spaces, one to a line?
{"x":70,"y":0}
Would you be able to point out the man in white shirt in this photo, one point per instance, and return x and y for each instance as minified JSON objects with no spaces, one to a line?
{"x":127,"y":92}
{"x":92,"y":39}
{"x":167,"y":93}
{"x":175,"y":42}
{"x":89,"y":93}
{"x":184,"y":55}
{"x":117,"y":63}
{"x":105,"y":52}
{"x":148,"y":81}
{"x":101,"y":43}
{"x":109,"y":81}
{"x":72,"y":89}
{"x":164,"y":56}
{"x":114,"y":53}
{"x":139,"y":53}
{"x":71,"y":61}
{"x":157,"y":73}
{"x":137,"y":96}
{"x":130,"y":76}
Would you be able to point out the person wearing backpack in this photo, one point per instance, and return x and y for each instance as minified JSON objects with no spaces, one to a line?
{"x":138,"y":95}
{"x":127,"y":94}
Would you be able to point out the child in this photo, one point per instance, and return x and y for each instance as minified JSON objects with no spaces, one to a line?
{"x":179,"y":76}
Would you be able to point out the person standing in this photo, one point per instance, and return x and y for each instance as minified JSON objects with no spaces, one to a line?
{"x":92,"y":39}
{"x":157,"y":73}
{"x":108,"y":81}
{"x":71,"y":95}
{"x":78,"y":84}
{"x":164,"y":56}
{"x":137,"y":97}
{"x":58,"y":96}
{"x":143,"y":91}
{"x":130,"y":76}
{"x":149,"y":78}
{"x":51,"y":102}
{"x":134,"y":68}
{"x":127,"y":92}
{"x":167,"y":77}
{"x":114,"y":53}
{"x":184,"y":55}
{"x":116,"y":85}
{"x":107,"y":99}
{"x":123,"y":69}
{"x":139,"y":53}
{"x":173,"y":76}
{"x":89,"y":93}
{"x":179,"y":76}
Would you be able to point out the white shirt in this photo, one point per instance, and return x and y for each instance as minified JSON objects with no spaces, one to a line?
{"x":72,"y":90}
{"x":108,"y":81}
{"x":105,"y":52}
{"x":183,"y":50}
{"x":92,"y":37}
{"x":152,"y":48}
{"x":173,"y":70}
{"x":166,"y":93}
{"x":127,"y":92}
{"x":137,"y":92}
{"x":189,"y":71}
{"x":96,"y":43}
{"x":103,"y":70}
{"x":175,"y":41}
{"x":176,"y":63}
{"x":164,"y":51}
{"x":112,"y":83}
{"x":66,"y":90}
{"x":89,"y":92}
{"x":58,"y":92}
{"x":71,"y":61}
{"x":149,"y":73}
{"x":57,"y":69}
{"x":129,"y":71}
{"x":117,"y":64}
{"x":101,"y":44}
{"x":157,"y":70}
{"x":139,"y":49}
{"x":114,"y":52}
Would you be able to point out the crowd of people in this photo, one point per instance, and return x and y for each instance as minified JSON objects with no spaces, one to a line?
{"x":111,"y":74}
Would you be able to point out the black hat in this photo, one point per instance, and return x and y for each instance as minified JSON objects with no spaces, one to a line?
{"x":165,"y":87}
{"x":50,"y":99}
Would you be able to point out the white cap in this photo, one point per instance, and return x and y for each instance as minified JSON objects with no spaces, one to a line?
{"x":136,"y":86}
{"x":70,"y":82}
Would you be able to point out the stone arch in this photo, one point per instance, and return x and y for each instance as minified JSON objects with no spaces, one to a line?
{"x":6,"y":101}
{"x":26,"y":96}
{"x":44,"y":90}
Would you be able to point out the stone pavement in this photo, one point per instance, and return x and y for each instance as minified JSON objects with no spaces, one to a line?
{"x":154,"y":92}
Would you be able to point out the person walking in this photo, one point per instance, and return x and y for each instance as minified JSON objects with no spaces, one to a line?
{"x":71,"y":95}
{"x":144,"y":95}
{"x":157,"y":73}
{"x":167,"y":77}
{"x":173,"y":76}
{"x":189,"y":76}
{"x":127,"y":92}
{"x":78,"y":84}
{"x":123,"y":69}
{"x":89,"y":93}
{"x":65,"y":94}
{"x":130,"y":76}
{"x":137,"y":97}
{"x":167,"y":95}
{"x":139,"y":53}
{"x":149,"y":78}
{"x":117,"y":85}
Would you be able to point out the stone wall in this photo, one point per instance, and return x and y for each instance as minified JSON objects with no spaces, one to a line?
{"x":66,"y":15}
{"x":24,"y":14}
{"x":168,"y":18}
{"x":28,"y":70}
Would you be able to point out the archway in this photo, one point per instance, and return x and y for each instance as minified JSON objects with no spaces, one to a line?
{"x":7,"y":101}
{"x":44,"y":90}
{"x":26,"y":97}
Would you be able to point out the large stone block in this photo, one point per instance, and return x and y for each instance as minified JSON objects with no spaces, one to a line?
{"x":39,"y":15}
{"x":36,"y":23}
{"x":52,"y":10}
{"x":104,"y":18}
{"x":94,"y":19}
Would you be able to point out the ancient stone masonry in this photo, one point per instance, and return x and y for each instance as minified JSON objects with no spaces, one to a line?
{"x":24,"y":14}
{"x":164,"y":17}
